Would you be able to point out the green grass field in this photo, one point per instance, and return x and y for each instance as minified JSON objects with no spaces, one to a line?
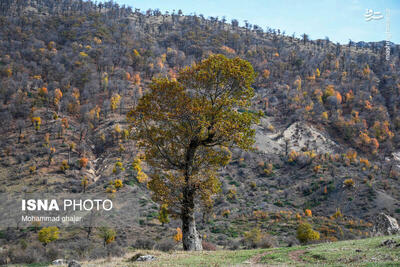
{"x":364,"y":252}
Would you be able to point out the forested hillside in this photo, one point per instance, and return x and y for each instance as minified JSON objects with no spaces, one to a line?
{"x":327,"y":145}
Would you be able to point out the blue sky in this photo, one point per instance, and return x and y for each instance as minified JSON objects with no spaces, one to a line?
{"x":340,"y":20}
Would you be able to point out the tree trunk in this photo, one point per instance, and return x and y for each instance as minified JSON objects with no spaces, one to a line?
{"x":190,"y":237}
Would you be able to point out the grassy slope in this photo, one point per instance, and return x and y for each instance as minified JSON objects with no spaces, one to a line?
{"x":364,"y":252}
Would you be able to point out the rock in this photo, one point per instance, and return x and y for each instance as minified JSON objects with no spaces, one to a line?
{"x":74,"y":264}
{"x":390,"y":243}
{"x":146,"y":258}
{"x":386,"y":225}
{"x":59,"y":262}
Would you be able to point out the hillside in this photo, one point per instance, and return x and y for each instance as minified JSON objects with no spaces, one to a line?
{"x":365,"y":252}
{"x":327,"y":141}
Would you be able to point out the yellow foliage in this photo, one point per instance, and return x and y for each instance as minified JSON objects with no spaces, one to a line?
{"x":178,"y":235}
{"x":163,"y":214}
{"x":349,"y":183}
{"x":231,"y":193}
{"x":317,"y":168}
{"x":164,"y":106}
{"x":293,"y":156}
{"x":83,"y":162}
{"x":115,"y":99}
{"x":269,"y":170}
{"x":84,"y":183}
{"x":107,"y":234}
{"x":118,"y":167}
{"x":48,"y":234}
{"x":83,"y":54}
{"x":366,"y":71}
{"x":76,"y":94}
{"x":337,"y":214}
{"x":97,"y":40}
{"x":317,"y":73}
{"x":118,"y":183}
{"x":252,"y":237}
{"x":32,"y":169}
{"x":329,"y":91}
{"x":64,"y":166}
{"x":325,"y":115}
{"x":36,"y":122}
{"x":57,"y":96}
{"x":308,"y":213}
{"x":365,"y":162}
{"x":140,"y":175}
{"x":351,"y":155}
{"x":305,"y":233}
{"x":225,"y":213}
{"x":43,"y":91}
{"x":266,"y":73}
{"x":110,"y":189}
{"x":367,"y":105}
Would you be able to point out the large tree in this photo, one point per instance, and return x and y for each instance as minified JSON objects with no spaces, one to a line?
{"x":185,"y":127}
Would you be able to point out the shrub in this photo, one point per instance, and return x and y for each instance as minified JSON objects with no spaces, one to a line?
{"x":118,"y":183}
{"x":293,"y":156}
{"x":226,"y":213}
{"x":271,"y":128}
{"x":269,"y":170}
{"x":32,"y":169}
{"x":32,"y":254}
{"x":83,"y":162}
{"x":252,"y":238}
{"x":107,"y":234}
{"x":48,"y":234}
{"x":365,"y":162}
{"x":64,"y":166}
{"x":208,"y":246}
{"x":111,"y":189}
{"x":231,"y":194}
{"x":317,"y":168}
{"x":178,"y":235}
{"x":36,"y":121}
{"x":84,"y":183}
{"x":308,"y":213}
{"x":118,"y":167}
{"x":140,"y":175}
{"x":305,"y":233}
{"x":349,"y":183}
{"x":53,"y":253}
{"x":351,"y":155}
{"x":337,"y":214}
{"x":267,"y":241}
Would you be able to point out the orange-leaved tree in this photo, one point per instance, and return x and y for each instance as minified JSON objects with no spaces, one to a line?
{"x":185,"y":128}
